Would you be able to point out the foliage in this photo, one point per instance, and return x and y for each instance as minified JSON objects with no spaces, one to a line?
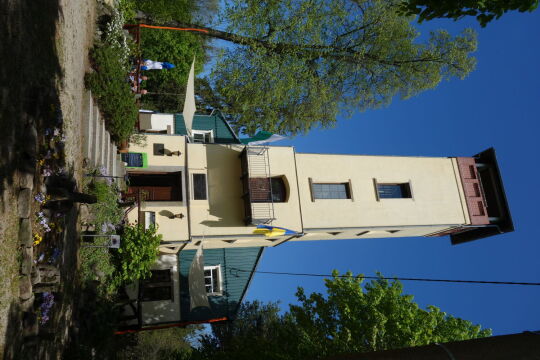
{"x":484,"y":10}
{"x":97,"y":260}
{"x":106,"y":210}
{"x":349,"y":319}
{"x":259,"y":331}
{"x":109,"y":83}
{"x":137,"y":253}
{"x":163,"y":344}
{"x":104,"y":215}
{"x":352,"y":319}
{"x":313,"y":59}
{"x":178,"y":48}
{"x":295,"y":65}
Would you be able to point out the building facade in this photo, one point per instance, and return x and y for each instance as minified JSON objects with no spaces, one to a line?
{"x":219,"y":193}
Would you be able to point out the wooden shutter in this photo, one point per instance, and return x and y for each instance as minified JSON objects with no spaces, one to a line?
{"x":476,"y":203}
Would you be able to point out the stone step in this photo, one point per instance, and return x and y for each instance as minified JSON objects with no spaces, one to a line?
{"x":103,"y":143}
{"x":112,"y":160}
{"x":96,"y":143}
{"x":87,"y":126}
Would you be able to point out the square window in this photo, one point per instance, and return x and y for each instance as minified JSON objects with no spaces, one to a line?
{"x":159,"y":149}
{"x":158,"y":287}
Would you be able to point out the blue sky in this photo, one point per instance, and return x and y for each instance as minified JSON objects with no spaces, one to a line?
{"x":497,"y":105}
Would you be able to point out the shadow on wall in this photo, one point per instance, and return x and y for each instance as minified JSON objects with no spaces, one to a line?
{"x":29,"y":71}
{"x":224,"y":186}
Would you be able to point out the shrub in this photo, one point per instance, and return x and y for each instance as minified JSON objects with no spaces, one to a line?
{"x":137,"y":253}
{"x":112,"y":91}
{"x":109,"y":82}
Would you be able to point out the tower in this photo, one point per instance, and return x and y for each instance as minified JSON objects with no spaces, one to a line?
{"x":219,"y":193}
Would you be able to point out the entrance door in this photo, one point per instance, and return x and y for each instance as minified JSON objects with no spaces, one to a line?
{"x":156,"y":186}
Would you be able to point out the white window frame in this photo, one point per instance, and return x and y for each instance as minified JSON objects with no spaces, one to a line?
{"x":149,"y":219}
{"x":193,"y":186}
{"x":204,"y":133}
{"x":216,"y":284}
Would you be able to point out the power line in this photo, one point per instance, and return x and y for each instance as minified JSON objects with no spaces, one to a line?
{"x":399,"y":278}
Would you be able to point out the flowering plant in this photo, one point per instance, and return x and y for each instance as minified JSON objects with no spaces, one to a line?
{"x":42,"y":198}
{"x":45,"y":307}
{"x":37,"y":239}
{"x":43,"y":221}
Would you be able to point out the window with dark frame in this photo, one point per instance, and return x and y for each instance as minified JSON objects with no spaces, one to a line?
{"x":330,"y":191}
{"x":199,"y":187}
{"x":158,"y":287}
{"x":394,"y":191}
{"x":268,"y":189}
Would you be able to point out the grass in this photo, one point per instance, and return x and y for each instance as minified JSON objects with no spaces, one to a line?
{"x":96,"y":262}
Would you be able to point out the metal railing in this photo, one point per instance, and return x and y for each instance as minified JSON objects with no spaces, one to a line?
{"x":257,"y":186}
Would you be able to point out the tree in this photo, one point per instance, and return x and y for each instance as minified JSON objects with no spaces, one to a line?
{"x":296,"y":64}
{"x":137,"y":253}
{"x":349,"y":319}
{"x":378,"y":317}
{"x":484,"y":10}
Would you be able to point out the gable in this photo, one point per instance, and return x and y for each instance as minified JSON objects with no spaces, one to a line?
{"x":235,"y":283}
{"x":223,"y":134}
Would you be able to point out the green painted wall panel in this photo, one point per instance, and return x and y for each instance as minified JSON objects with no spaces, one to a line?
{"x":234,"y":282}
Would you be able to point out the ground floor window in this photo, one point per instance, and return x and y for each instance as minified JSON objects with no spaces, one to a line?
{"x":158,"y":287}
{"x":212,"y":279}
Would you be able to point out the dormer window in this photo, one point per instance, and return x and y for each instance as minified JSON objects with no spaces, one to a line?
{"x":202,"y":136}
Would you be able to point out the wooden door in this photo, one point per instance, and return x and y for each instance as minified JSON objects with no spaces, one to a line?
{"x":156,"y":186}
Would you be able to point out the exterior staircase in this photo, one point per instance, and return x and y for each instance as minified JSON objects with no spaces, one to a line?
{"x":98,"y":149}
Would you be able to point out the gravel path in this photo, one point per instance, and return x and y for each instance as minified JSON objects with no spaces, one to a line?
{"x":44,"y":49}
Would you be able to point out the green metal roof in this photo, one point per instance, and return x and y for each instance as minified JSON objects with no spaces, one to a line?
{"x":223,"y":133}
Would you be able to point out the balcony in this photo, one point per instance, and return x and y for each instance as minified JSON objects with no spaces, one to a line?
{"x":257,"y":186}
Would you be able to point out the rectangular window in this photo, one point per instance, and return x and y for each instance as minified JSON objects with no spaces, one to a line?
{"x":202,"y":136}
{"x":158,"y":287}
{"x":330,"y":191}
{"x":212,"y":279}
{"x":394,"y":191}
{"x":149,"y":219}
{"x":199,"y":187}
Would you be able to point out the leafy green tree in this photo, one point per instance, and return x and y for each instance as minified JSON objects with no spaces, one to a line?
{"x":137,"y":253}
{"x":377,"y":317}
{"x":348,"y":319}
{"x":484,"y":10}
{"x":294,"y":64}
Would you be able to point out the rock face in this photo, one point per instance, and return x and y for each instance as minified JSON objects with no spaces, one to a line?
{"x":26,"y":180}
{"x":25,"y":233}
{"x":27,"y":260}
{"x":23,"y":203}
{"x":25,"y":287}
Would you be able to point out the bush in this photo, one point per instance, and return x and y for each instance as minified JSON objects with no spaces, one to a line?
{"x":137,"y":253}
{"x":109,"y":82}
{"x":112,"y":91}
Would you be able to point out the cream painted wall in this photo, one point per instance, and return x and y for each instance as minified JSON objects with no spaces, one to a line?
{"x":170,"y":229}
{"x":171,"y":142}
{"x":436,"y":193}
{"x":154,"y":312}
{"x":223,"y":212}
